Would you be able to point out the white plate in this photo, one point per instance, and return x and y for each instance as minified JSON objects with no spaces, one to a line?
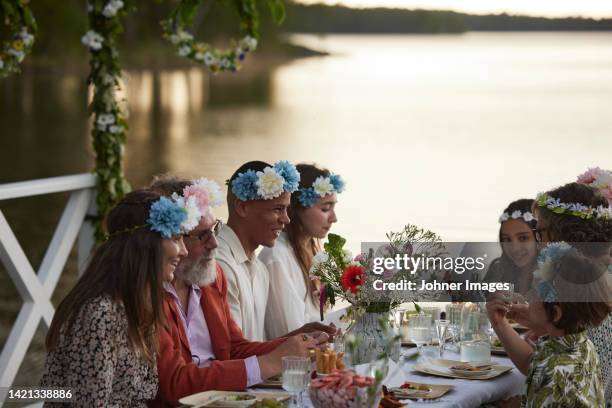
{"x":205,"y":396}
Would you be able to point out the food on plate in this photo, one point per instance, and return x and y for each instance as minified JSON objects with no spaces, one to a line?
{"x":389,"y":400}
{"x":417,"y":387}
{"x":328,"y":360}
{"x":496,"y":343}
{"x":239,"y":397}
{"x":471,"y":368}
{"x":268,"y":403}
{"x":342,"y":388}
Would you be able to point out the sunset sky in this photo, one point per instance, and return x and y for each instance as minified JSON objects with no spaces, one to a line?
{"x":548,"y":8}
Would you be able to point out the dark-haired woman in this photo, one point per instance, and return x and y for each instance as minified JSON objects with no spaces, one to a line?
{"x":103,"y":338}
{"x":293,"y":300}
{"x":519,"y":247}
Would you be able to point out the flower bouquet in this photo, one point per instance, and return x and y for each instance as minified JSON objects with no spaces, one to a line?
{"x":351,"y":279}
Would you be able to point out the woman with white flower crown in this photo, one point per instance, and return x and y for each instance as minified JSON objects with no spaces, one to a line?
{"x":102,"y":342}
{"x":294,"y":299}
{"x":519,"y":247}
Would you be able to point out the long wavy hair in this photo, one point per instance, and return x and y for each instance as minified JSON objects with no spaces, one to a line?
{"x":127,"y":267}
{"x":304,"y":250}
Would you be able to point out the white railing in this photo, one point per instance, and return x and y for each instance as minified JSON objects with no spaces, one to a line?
{"x":36,"y":289}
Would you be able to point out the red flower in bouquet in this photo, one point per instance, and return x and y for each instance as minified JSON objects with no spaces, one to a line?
{"x":353,"y":278}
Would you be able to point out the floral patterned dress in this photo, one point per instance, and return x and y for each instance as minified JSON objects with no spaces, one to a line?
{"x":601,"y":336}
{"x":96,"y":363}
{"x":564,"y":372}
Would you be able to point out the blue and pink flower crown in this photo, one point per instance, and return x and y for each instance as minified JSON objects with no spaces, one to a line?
{"x":181,"y":214}
{"x":586,"y":212}
{"x":321,"y":187}
{"x":600,"y":179}
{"x":166,"y":217}
{"x":267,"y":184}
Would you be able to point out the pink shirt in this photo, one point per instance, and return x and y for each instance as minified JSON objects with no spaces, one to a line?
{"x":198,"y":335}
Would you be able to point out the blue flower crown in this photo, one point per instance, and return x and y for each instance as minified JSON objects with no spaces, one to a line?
{"x":267,"y":184}
{"x":321,"y":187}
{"x":548,"y":256}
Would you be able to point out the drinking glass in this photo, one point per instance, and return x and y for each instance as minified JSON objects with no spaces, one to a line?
{"x":296,"y":374}
{"x":475,"y":333}
{"x":419,"y":330}
{"x":441,"y":329}
{"x":453,"y":314}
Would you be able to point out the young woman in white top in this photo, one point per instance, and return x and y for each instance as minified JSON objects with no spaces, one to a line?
{"x":293,"y":298}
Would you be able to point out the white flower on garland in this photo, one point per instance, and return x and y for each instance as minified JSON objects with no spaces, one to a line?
{"x":105,"y":119}
{"x":323,"y":186}
{"x":516,"y":214}
{"x":199,"y":56}
{"x":269,"y":183}
{"x":180,"y":36}
{"x":111,"y":8}
{"x":26,"y":37}
{"x":20,"y":55}
{"x":209,"y":58}
{"x":528,"y":217}
{"x":92,"y":40}
{"x":248,"y":43}
{"x":193,"y":212}
{"x":108,"y":79}
{"x":225,"y":63}
{"x":184,"y":51}
{"x":215,"y":195}
{"x":114,"y":129}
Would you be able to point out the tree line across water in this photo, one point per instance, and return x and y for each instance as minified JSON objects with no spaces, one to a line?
{"x":62,"y":25}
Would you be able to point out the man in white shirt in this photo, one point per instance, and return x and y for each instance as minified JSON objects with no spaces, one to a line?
{"x":258,"y":197}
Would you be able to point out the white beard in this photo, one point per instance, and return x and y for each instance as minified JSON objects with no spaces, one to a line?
{"x":199,"y":273}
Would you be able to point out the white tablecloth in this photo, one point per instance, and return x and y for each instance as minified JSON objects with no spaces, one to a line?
{"x":467,"y":393}
{"x":470,"y":393}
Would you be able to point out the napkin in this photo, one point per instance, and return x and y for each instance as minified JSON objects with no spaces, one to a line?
{"x":395,"y":376}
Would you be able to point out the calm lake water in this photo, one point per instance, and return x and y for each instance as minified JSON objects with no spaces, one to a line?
{"x":441,"y":131}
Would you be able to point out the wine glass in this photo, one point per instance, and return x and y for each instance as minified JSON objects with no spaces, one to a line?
{"x":296,"y":374}
{"x":419,"y":330}
{"x":441,"y":329}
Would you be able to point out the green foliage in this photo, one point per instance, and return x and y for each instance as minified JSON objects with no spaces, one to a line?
{"x":18,"y":16}
{"x":334,"y":247}
{"x":177,"y":30}
{"x":110,"y":125}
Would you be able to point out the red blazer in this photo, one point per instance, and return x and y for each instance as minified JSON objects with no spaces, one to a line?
{"x":178,"y":375}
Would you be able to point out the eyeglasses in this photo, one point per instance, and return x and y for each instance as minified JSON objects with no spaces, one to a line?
{"x":538,"y":233}
{"x":204,"y":236}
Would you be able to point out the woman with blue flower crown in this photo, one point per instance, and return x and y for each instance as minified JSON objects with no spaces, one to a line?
{"x":294,"y":299}
{"x":103,"y":338}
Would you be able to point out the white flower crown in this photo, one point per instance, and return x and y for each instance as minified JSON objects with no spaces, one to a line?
{"x":527,"y":216}
{"x":586,"y":212}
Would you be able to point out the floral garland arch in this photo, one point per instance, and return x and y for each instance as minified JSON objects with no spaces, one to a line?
{"x":109,"y":131}
{"x":19,"y":18}
{"x":176,"y":31}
